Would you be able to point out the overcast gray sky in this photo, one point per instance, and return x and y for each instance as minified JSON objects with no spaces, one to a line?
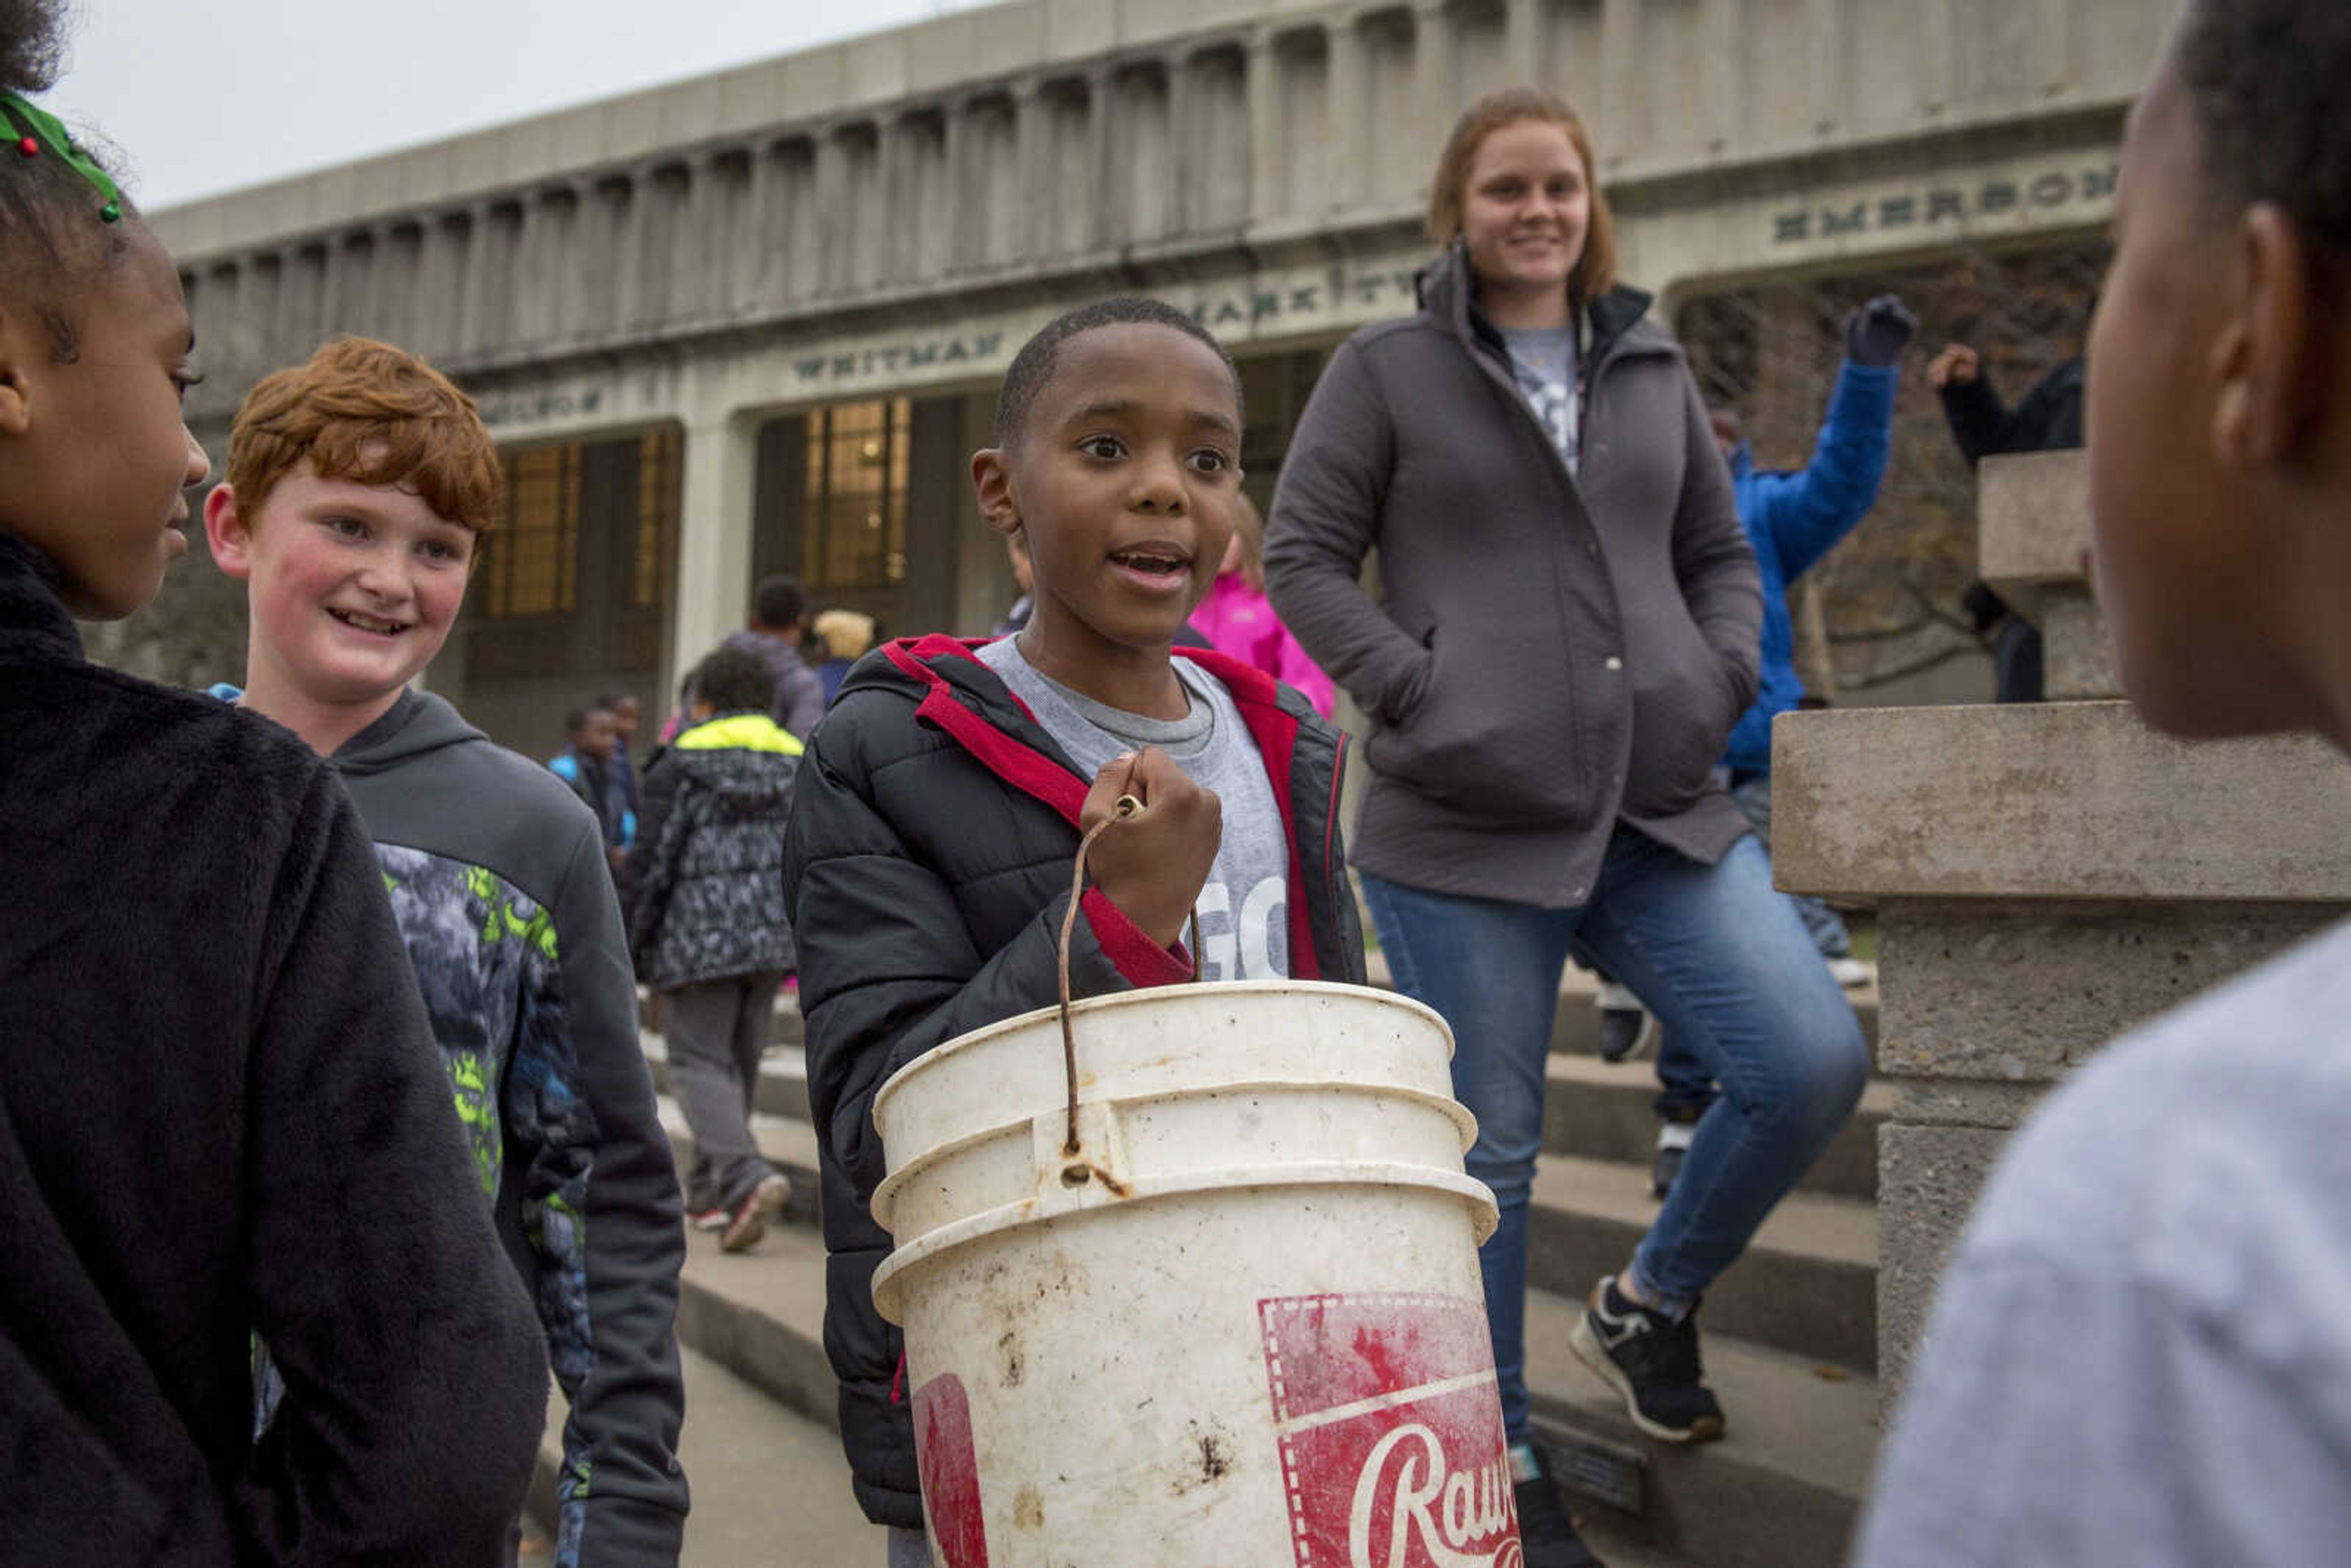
{"x":205,"y":96}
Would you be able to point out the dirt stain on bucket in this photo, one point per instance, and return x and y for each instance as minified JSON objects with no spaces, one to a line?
{"x":1016,"y":1365}
{"x":1027,"y":1510}
{"x":1208,"y":1460}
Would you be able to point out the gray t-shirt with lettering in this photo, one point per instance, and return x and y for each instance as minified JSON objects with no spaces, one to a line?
{"x":1244,"y":907}
{"x":2142,"y":1349}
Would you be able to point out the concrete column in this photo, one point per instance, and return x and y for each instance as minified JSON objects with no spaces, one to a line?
{"x":1032,"y":148}
{"x":1100,"y":226}
{"x":1823,"y":37}
{"x":1434,"y":73}
{"x":1267,"y":196}
{"x":1620,"y":45}
{"x":473,"y":325}
{"x":1521,"y":36}
{"x":1349,"y":117}
{"x":714,"y":537}
{"x":2057,"y":35}
{"x":1938,"y":46}
{"x":2032,"y":546}
{"x":967,"y":238}
{"x":700,"y":246}
{"x":2047,"y":876}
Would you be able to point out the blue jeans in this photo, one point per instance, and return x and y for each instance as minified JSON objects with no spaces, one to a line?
{"x":1721,"y":958}
{"x":1685,"y":1087}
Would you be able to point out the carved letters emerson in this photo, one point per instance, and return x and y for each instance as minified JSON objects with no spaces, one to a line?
{"x":1927,"y":207}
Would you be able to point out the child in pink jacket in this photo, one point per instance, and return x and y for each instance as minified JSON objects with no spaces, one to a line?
{"x":1236,"y":618}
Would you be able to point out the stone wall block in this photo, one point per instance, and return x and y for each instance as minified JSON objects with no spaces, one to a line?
{"x":1928,"y":1179}
{"x":2019,"y":994}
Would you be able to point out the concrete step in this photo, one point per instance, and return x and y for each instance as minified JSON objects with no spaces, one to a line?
{"x":1807,"y":1285}
{"x":1575,"y":1031}
{"x":770,"y":1484}
{"x":1781,"y":1491}
{"x":1593,"y":1110}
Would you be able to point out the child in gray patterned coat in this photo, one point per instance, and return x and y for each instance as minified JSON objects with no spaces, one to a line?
{"x":705,"y":893}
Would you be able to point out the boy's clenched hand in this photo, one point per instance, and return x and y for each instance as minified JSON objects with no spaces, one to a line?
{"x":1153,"y":865}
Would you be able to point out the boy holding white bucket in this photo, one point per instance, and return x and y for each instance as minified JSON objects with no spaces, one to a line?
{"x":928,"y":861}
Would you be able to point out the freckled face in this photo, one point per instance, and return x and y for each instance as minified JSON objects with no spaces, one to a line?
{"x":354,"y":587}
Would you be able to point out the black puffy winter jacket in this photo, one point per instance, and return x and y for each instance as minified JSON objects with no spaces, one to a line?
{"x":927,"y":867}
{"x":703,"y":885}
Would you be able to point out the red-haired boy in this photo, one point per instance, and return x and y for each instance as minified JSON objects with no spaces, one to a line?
{"x":358,"y":487}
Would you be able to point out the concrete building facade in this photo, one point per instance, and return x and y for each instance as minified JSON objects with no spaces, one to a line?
{"x":753,"y":321}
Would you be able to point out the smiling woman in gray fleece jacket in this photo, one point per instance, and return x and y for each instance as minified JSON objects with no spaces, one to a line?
{"x":1568,"y":629}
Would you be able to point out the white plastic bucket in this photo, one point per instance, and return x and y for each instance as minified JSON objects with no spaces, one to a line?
{"x":1242,"y":1326}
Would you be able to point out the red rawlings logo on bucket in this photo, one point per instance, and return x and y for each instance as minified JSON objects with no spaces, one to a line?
{"x":1390,"y":1432}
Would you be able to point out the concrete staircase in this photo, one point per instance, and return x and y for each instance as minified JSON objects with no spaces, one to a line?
{"x":1790,"y":1331}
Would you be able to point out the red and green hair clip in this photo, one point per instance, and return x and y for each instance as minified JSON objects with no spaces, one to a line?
{"x":37,"y":131}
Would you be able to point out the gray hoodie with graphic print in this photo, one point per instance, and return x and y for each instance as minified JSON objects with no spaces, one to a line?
{"x":499,"y":882}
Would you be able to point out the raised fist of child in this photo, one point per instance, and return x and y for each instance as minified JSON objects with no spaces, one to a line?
{"x":1956,"y":366}
{"x":1874,"y":335}
{"x":1153,"y":865}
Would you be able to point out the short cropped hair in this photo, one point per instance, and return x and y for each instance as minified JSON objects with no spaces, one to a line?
{"x":1033,"y":367}
{"x":1448,"y":189}
{"x":374,"y":414}
{"x":734,"y":680}
{"x":575,"y":723}
{"x":2265,"y":79}
{"x":778,"y":601}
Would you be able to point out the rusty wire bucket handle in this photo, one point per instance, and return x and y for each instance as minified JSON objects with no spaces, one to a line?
{"x":1126,"y":809}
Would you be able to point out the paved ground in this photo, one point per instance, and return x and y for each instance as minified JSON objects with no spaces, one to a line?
{"x":770,"y":1488}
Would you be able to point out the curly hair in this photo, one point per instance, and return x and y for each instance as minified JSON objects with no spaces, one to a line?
{"x":367,"y":412}
{"x":734,"y":680}
{"x":2263,"y":79}
{"x":52,"y":241}
{"x":1033,"y":367}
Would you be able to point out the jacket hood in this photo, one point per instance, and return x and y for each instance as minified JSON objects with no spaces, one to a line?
{"x":747,"y":759}
{"x":418,"y":723}
{"x":1447,"y":290}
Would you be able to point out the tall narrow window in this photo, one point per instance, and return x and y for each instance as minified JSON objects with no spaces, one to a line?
{"x":657,"y":507}
{"x":855,"y":518}
{"x":533,"y":554}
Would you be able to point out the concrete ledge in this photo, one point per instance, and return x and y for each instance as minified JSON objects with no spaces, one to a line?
{"x":1929,"y":1180}
{"x":2018,"y":996}
{"x":2065,"y":800}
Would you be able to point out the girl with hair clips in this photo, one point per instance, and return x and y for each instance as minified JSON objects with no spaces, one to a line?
{"x":1568,"y":628}
{"x":223,"y":1122}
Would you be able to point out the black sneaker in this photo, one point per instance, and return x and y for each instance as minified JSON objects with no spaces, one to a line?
{"x":1673,"y":1147}
{"x":1546,"y":1533}
{"x":1652,"y":1362}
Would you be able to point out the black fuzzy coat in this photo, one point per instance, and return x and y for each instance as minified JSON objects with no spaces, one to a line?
{"x":932,"y":835}
{"x":221,"y":1111}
